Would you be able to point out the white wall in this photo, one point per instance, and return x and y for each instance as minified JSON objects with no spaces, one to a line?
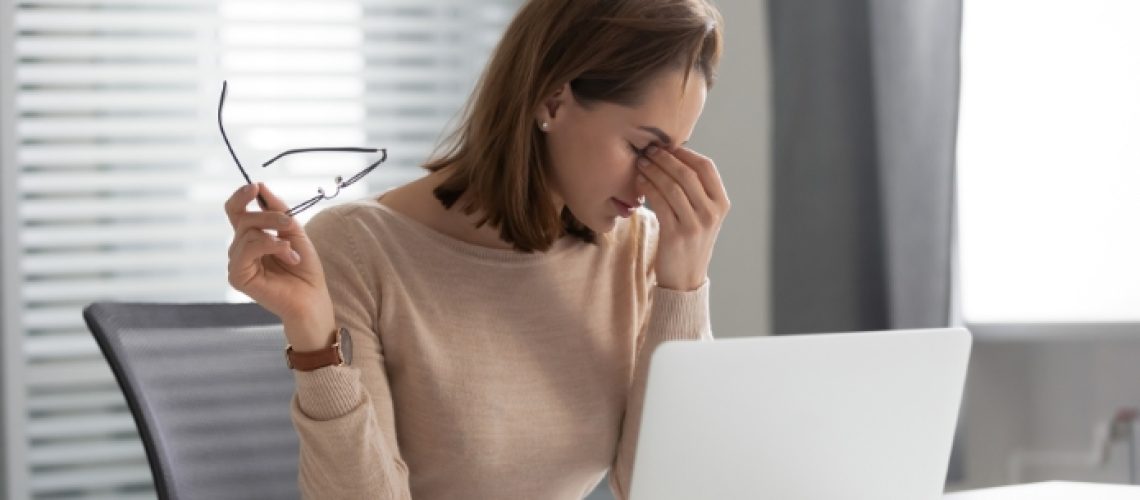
{"x":734,"y":132}
{"x":1045,"y":395}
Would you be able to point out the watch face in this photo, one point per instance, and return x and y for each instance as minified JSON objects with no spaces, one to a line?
{"x":345,"y":346}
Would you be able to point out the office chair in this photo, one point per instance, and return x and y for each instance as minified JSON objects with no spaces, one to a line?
{"x":209,"y":391}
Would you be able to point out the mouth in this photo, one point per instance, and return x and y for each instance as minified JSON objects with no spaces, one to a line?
{"x":624,"y":209}
{"x":627,"y":205}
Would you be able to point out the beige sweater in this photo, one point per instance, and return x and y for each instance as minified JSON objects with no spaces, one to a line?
{"x":480,"y":373}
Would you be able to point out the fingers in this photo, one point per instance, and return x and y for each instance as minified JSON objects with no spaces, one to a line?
{"x":251,"y":242}
{"x":248,"y":249}
{"x":236,"y":209}
{"x":684,"y":200}
{"x":706,"y":170}
{"x":665,"y":214}
{"x":257,"y":240}
{"x":683,"y":173}
{"x":274,"y":203}
{"x":686,"y":176}
{"x":235,"y":205}
{"x":264,"y":220}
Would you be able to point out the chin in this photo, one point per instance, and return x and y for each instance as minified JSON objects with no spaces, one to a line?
{"x":604,"y":224}
{"x":606,"y":227}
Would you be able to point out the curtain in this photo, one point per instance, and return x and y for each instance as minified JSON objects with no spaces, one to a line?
{"x":865,"y":120}
{"x":865,"y":105}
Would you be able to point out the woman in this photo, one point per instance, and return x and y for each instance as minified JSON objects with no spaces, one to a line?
{"x":503,"y":308}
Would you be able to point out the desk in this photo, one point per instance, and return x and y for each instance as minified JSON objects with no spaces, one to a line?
{"x":1052,"y":490}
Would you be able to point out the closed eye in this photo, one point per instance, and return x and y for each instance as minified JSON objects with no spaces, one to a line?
{"x":636,"y":151}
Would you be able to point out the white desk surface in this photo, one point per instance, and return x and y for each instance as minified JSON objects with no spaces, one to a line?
{"x":1052,"y":490}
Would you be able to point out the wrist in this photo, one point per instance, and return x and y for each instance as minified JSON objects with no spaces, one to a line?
{"x":338,"y":353}
{"x":310,"y":335}
{"x":686,"y":285}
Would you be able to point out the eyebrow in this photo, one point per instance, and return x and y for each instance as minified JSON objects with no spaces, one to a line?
{"x":661,"y":135}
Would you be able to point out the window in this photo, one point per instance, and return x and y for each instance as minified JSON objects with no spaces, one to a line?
{"x":1049,"y":162}
{"x":116,"y":173}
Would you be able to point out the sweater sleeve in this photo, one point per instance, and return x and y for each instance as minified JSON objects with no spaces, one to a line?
{"x":672,"y":315}
{"x":343,"y":414}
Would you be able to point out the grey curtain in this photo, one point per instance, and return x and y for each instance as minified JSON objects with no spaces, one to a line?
{"x":865,"y":99}
{"x":865,"y":96}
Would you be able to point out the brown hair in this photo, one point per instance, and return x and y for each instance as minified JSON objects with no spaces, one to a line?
{"x":608,"y":50}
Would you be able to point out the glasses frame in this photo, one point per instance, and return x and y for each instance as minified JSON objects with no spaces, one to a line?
{"x":341,"y":183}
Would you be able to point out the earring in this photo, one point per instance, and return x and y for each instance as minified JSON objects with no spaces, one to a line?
{"x":545,"y":126}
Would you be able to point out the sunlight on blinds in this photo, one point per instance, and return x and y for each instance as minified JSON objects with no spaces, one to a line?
{"x":1049,"y":161}
{"x":122,"y":172}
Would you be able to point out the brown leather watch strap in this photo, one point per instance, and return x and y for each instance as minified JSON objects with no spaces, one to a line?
{"x":339,"y":353}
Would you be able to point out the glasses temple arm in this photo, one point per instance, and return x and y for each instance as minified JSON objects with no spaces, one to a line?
{"x":221,"y":101}
{"x":311,"y":150}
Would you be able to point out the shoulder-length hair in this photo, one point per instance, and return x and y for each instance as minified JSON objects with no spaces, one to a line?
{"x":608,"y":50}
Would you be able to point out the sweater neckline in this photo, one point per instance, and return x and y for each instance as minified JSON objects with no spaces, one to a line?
{"x":471,"y":250}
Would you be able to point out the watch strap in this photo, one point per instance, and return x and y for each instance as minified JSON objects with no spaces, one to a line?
{"x":337,"y":354}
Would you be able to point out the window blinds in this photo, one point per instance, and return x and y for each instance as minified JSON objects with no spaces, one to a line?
{"x":120,"y":172}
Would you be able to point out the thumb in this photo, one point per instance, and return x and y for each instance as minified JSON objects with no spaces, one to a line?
{"x":294,"y":233}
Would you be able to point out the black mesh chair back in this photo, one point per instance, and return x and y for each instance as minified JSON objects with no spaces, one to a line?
{"x":210,"y":393}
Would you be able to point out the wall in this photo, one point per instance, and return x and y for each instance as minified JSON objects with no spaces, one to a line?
{"x":1045,"y":395}
{"x":734,"y":131}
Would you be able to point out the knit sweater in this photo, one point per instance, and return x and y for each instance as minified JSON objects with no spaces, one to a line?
{"x":482,"y":373}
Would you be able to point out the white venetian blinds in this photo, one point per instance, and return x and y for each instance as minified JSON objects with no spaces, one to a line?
{"x":121,"y":173}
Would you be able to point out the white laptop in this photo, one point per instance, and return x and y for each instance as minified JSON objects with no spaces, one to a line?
{"x":847,"y":416}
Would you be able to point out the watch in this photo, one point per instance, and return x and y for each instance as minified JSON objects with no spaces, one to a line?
{"x":337,"y":354}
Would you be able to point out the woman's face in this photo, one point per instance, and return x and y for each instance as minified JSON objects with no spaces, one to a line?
{"x":593,"y":151}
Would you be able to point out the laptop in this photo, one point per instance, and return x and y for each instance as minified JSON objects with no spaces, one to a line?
{"x":851,"y":416}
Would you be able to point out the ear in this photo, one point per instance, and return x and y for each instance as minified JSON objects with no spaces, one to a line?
{"x":553,"y":106}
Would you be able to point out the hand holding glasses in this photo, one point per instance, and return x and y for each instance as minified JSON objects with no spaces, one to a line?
{"x":282,"y":272}
{"x":321,"y":195}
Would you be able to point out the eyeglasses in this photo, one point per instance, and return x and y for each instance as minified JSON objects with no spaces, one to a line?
{"x":321,"y":195}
